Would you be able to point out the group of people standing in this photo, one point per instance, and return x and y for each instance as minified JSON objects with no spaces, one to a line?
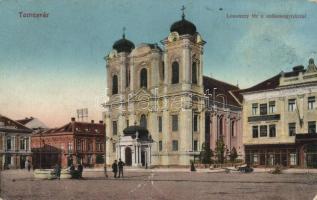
{"x":117,"y":166}
{"x":74,"y":173}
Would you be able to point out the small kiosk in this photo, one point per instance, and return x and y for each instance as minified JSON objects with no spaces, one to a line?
{"x":134,"y":147}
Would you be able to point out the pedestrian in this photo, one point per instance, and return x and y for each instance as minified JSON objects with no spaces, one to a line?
{"x":29,"y":165}
{"x":26,"y":165}
{"x":115,"y":169}
{"x":71,"y":170}
{"x":105,"y":171}
{"x":80,"y":170}
{"x":120,"y":166}
{"x":58,"y":171}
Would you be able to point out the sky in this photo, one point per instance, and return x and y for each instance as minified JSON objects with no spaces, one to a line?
{"x":50,"y":67}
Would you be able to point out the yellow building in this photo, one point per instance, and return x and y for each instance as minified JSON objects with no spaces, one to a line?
{"x":279,"y":119}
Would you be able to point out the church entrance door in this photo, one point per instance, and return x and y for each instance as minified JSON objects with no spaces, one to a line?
{"x":143,"y":158}
{"x":128,"y":156}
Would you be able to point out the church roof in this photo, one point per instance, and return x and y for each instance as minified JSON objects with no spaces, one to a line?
{"x":223,"y":88}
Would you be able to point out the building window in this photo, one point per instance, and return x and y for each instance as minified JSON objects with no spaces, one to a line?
{"x":90,"y":146}
{"x":115,"y":84}
{"x":195,"y":123}
{"x":293,"y":159}
{"x":291,"y":105}
{"x":175,"y":145}
{"x":70,"y":147}
{"x":174,"y":122}
{"x":9,"y":143}
{"x":194,"y":73}
{"x":292,"y":129}
{"x":272,"y":130}
{"x":79,"y":145}
{"x":127,"y":122}
{"x":143,"y":78}
{"x":160,"y":123}
{"x":272,"y":108}
{"x":311,"y":103}
{"x":254,"y":108}
{"x":127,"y":76}
{"x":255,"y":131}
{"x":263,"y":131}
{"x":22,"y":144}
{"x":263,"y":109}
{"x":7,"y":160}
{"x":113,"y":147}
{"x":114,"y":128}
{"x":160,"y":146}
{"x":27,"y":144}
{"x":175,"y":73}
{"x":195,"y":145}
{"x":312,"y":127}
{"x":143,"y":122}
{"x":232,"y":128}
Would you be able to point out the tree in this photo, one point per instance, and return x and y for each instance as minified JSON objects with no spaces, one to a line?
{"x":233,"y":154}
{"x":206,"y":154}
{"x":220,"y":150}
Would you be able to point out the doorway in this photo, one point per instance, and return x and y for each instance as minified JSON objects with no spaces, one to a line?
{"x":143,"y":158}
{"x":128,"y":156}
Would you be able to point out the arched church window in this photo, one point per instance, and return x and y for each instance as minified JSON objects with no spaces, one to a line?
{"x":127,"y":76}
{"x":143,"y":122}
{"x":143,"y":78}
{"x":115,"y":84}
{"x":163,"y":71}
{"x":175,"y":73}
{"x":194,"y":73}
{"x":232,"y":128}
{"x":221,"y":126}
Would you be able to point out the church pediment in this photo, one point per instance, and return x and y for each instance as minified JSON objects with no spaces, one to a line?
{"x":140,"y":95}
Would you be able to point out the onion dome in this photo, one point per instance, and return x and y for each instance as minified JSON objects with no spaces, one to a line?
{"x":123,"y":45}
{"x":183,"y":26}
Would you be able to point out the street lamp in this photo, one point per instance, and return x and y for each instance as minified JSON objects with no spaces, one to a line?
{"x":105,"y":150}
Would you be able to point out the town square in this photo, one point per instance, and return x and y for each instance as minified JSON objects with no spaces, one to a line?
{"x":158,"y":100}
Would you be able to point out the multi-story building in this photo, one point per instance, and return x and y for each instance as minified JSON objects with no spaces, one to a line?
{"x":15,"y":143}
{"x":157,"y":112}
{"x":75,"y":142}
{"x":279,"y":119}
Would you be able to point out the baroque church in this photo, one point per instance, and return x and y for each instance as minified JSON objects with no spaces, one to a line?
{"x":161,"y":110}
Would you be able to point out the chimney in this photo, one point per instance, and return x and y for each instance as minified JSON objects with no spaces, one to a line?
{"x":92,"y":121}
{"x":73,"y":119}
{"x":100,"y":122}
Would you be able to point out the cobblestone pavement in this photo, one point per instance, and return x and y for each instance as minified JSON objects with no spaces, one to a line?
{"x":18,"y":184}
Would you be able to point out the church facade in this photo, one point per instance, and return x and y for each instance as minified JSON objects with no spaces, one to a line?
{"x":161,"y":109}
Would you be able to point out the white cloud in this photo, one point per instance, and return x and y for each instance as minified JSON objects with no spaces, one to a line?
{"x":314,"y":1}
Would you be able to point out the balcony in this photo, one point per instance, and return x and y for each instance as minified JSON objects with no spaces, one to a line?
{"x":264,"y":118}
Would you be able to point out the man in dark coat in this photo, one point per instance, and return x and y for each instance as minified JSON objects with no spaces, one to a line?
{"x":120,"y":166}
{"x":80,"y":170}
{"x":58,"y":171}
{"x":115,"y":168}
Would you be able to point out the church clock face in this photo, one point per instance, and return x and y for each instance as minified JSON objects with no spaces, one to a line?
{"x":173,"y":36}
